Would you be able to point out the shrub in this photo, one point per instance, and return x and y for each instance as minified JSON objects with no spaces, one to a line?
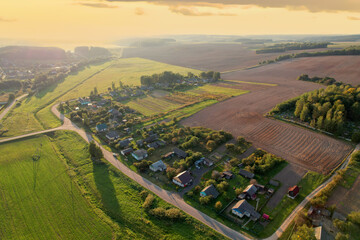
{"x":173,"y":213}
{"x":215,"y":175}
{"x":148,"y":201}
{"x":218,"y":205}
{"x":158,"y":212}
{"x":355,"y":137}
{"x":143,"y":194}
{"x":205,"y":200}
{"x":223,"y":186}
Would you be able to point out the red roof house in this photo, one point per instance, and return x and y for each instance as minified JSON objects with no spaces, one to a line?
{"x":293,"y":191}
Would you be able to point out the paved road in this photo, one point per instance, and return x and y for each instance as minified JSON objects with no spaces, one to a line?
{"x":7,"y":109}
{"x":171,"y":197}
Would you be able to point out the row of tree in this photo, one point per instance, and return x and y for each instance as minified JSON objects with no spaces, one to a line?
{"x":283,"y":47}
{"x":325,"y":80}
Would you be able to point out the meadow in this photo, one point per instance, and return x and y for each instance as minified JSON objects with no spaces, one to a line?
{"x":39,"y":199}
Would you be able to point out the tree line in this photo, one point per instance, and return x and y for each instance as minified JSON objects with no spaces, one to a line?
{"x":342,"y":52}
{"x":325,"y":80}
{"x":171,"y":78}
{"x":283,"y":47}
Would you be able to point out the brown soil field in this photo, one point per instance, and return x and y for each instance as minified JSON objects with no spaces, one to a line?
{"x":205,"y":56}
{"x":346,"y":200}
{"x":244,"y":116}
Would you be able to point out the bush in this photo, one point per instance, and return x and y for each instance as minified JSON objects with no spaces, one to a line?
{"x":355,"y":137}
{"x":223,"y":186}
{"x":215,"y":175}
{"x":173,"y":214}
{"x":158,"y":212}
{"x":205,"y":200}
{"x":148,"y":201}
{"x":218,"y":205}
{"x":143,"y":194}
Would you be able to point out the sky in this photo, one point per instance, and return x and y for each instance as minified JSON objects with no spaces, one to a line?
{"x":104,"y":21}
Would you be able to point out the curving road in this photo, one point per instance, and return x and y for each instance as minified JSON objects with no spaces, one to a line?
{"x":171,"y":197}
{"x":7,"y":109}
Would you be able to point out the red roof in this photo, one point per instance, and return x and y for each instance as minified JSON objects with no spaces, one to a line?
{"x":265,"y":216}
{"x":293,"y":188}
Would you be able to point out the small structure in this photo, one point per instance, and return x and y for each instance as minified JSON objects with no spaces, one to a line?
{"x":246,"y":174}
{"x":158,"y":166}
{"x":249,"y":192}
{"x":265,"y":216}
{"x":168,"y":155}
{"x":227,"y":175}
{"x":183,"y":179}
{"x":140,"y":154}
{"x":180,"y":153}
{"x":293,"y":191}
{"x":209,"y":191}
{"x":151,"y":138}
{"x":322,"y":234}
{"x":198,"y":163}
{"x":153,"y":145}
{"x":101,"y":127}
{"x":112,"y":135}
{"x":243,"y":208}
{"x":140,"y":143}
{"x":208,"y":162}
{"x":274,"y":183}
{"x":124,"y":143}
{"x":127,"y":151}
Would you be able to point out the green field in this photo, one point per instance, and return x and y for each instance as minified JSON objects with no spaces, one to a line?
{"x":126,"y":70}
{"x":38,"y":198}
{"x":96,"y":202}
{"x":34,"y":113}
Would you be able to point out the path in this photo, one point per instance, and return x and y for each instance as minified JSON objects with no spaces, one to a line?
{"x":7,"y":109}
{"x":171,"y":197}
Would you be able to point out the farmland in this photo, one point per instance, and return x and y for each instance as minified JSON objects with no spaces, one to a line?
{"x":205,"y":56}
{"x":128,"y":71}
{"x":243,"y":115}
{"x":162,"y":103}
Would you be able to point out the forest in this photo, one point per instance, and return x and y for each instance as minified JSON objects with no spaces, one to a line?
{"x":283,"y":47}
{"x":335,"y":109}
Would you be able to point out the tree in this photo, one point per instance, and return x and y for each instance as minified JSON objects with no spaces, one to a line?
{"x":355,"y":137}
{"x":151,"y":151}
{"x":95,"y":91}
{"x":211,"y":145}
{"x":299,"y":107}
{"x":304,"y":233}
{"x":304,"y":113}
{"x":205,"y":200}
{"x":113,"y":86}
{"x":121,"y":84}
{"x":173,"y":214}
{"x":218,"y":205}
{"x":95,"y":151}
{"x":148,"y":201}
{"x":215,"y":175}
{"x":354,"y":217}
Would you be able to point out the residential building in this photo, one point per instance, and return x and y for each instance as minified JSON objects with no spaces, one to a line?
{"x":246,"y":174}
{"x":183,"y":179}
{"x":140,"y":154}
{"x":180,"y":153}
{"x":209,"y":191}
{"x":158,"y":166}
{"x":249,"y":192}
{"x":127,"y":151}
{"x":243,"y":208}
{"x":112,"y":135}
{"x":293,"y":191}
{"x":101,"y":127}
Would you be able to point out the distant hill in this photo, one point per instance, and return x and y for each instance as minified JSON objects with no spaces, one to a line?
{"x":92,"y":52}
{"x":20,"y":53}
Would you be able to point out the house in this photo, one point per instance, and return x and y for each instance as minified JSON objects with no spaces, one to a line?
{"x":127,"y":151}
{"x":153,"y":145}
{"x":140,"y":154}
{"x":180,"y":153}
{"x":246,"y":174}
{"x":183,"y":179}
{"x":101,"y":127}
{"x":249,"y":192}
{"x":140,"y":143}
{"x":151,"y":138}
{"x":293,"y":191}
{"x":112,"y":135}
{"x":124,"y":143}
{"x":243,"y":208}
{"x":168,"y":155}
{"x":227,"y":175}
{"x":209,"y":191}
{"x":158,"y":166}
{"x":322,"y":234}
{"x":208,"y":162}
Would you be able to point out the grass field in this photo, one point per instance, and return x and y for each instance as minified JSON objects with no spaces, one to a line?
{"x":126,"y":70}
{"x":64,"y":195}
{"x":39,"y":200}
{"x":22,"y":119}
{"x":216,"y":90}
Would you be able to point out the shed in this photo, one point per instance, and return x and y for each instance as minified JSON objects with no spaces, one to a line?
{"x":246,"y":174}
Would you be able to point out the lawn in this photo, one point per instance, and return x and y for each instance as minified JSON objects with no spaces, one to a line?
{"x":126,"y":70}
{"x":22,"y":118}
{"x":119,"y":197}
{"x":216,"y":90}
{"x":39,"y":199}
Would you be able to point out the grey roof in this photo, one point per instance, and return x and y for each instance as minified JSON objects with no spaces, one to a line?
{"x":140,"y":142}
{"x":124,"y":143}
{"x":243,"y":206}
{"x":112,"y":134}
{"x":211,"y":190}
{"x":151,"y":138}
{"x":159,"y":164}
{"x":128,"y":150}
{"x":250,"y":189}
{"x":153,"y":145}
{"x":180,"y":152}
{"x":183,"y":177}
{"x":140,"y":153}
{"x":322,"y":234}
{"x":274,"y":182}
{"x":245,"y":173}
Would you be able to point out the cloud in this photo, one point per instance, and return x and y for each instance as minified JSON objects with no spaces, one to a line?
{"x":353,"y":18}
{"x":139,"y":11}
{"x":295,"y":5}
{"x":6,"y":20}
{"x":191,"y":11}
{"x":97,"y":5}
